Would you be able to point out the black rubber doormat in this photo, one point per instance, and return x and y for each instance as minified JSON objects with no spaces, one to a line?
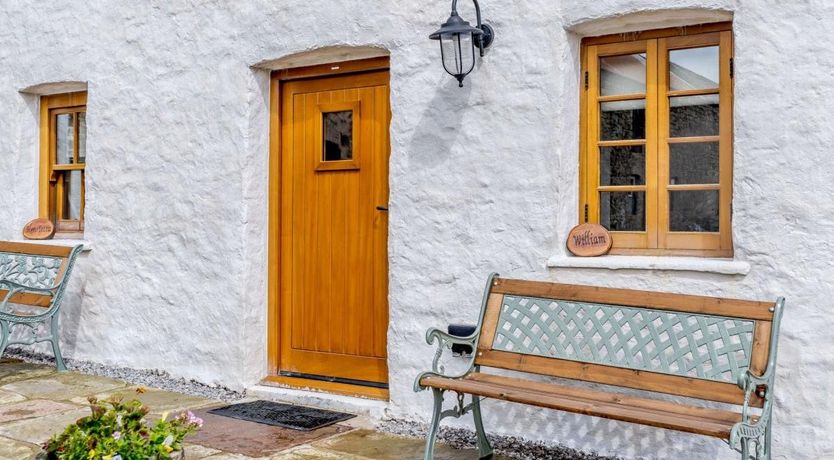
{"x":283,"y":415}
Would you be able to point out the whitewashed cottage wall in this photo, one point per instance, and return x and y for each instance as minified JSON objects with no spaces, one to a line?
{"x":482,"y":178}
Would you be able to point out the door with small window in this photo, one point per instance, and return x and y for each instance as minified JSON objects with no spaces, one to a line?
{"x":657,"y":141}
{"x":333,"y":250}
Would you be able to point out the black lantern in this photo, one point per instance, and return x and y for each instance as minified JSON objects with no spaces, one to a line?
{"x":458,"y":40}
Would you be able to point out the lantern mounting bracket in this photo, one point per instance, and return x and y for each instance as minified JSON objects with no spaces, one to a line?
{"x":484,"y":40}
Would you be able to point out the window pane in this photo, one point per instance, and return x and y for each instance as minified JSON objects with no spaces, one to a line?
{"x":622,"y":74}
{"x":693,"y":211}
{"x":338,"y":136}
{"x":82,"y":137}
{"x":623,"y":211}
{"x":622,"y":165}
{"x":693,"y":116}
{"x":694,"y":68}
{"x":693,"y":163}
{"x":64,"y":139}
{"x":72,"y":195}
{"x":623,"y":120}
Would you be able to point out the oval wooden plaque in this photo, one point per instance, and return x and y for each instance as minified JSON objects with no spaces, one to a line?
{"x":589,"y":240}
{"x":39,"y":229}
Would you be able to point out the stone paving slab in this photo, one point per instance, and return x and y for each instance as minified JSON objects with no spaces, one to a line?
{"x":380,"y":446}
{"x":158,"y":401}
{"x":30,"y":409}
{"x":253,"y":439}
{"x":312,"y":453}
{"x":16,"y":450}
{"x":39,"y":430}
{"x":7,"y":397}
{"x":63,"y":386}
{"x":13,"y":371}
{"x":194,"y":451}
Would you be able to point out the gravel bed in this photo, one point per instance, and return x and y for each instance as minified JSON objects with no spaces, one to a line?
{"x":149,"y":378}
{"x":509,"y":446}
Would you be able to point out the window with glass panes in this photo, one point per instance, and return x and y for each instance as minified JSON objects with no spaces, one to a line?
{"x":656,"y":160}
{"x":63,"y":161}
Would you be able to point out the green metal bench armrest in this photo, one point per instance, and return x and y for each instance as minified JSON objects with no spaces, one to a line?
{"x":435,"y":334}
{"x":21,"y":288}
{"x":751,"y":428}
{"x":445,"y":340}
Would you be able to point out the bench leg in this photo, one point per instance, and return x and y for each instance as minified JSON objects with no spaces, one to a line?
{"x":484,"y":447}
{"x":56,"y":347}
{"x":435,"y":423}
{"x":4,"y":336}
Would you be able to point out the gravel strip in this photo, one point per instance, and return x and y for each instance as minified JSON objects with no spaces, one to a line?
{"x":509,"y":446}
{"x":149,"y":378}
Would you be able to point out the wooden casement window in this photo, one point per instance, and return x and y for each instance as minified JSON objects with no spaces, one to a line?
{"x":63,"y":145}
{"x":657,"y":140}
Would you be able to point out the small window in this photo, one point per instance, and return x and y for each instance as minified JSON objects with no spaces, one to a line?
{"x":656,"y":159}
{"x":64,"y":159}
{"x":338,"y":136}
{"x":340,"y":128}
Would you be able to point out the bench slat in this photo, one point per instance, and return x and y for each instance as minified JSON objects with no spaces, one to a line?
{"x":660,"y":414}
{"x":629,"y":378}
{"x":746,"y":309}
{"x":35,"y":249}
{"x":25,"y":298}
{"x":724,"y":416}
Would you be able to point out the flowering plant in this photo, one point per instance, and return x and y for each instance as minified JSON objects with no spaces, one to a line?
{"x":118,"y":431}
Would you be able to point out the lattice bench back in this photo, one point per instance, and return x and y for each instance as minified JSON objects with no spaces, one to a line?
{"x":33,"y":266}
{"x":677,"y":344}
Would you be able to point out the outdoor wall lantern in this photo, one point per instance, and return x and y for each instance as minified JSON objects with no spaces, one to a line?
{"x":458,"y":40}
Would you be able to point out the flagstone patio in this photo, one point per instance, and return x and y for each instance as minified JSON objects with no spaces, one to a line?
{"x":37,"y":402}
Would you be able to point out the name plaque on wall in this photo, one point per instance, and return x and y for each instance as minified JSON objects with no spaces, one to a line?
{"x":39,"y":229}
{"x":589,"y":240}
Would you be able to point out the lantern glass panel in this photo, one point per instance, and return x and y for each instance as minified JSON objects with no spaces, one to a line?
{"x":458,"y":53}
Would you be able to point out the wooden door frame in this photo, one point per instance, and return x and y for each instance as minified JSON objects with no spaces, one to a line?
{"x":276,"y":130}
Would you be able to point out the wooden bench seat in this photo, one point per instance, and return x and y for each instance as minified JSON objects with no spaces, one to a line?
{"x":646,"y":411}
{"x":34,"y":276}
{"x":703,"y":348}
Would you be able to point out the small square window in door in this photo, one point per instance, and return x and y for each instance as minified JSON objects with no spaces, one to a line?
{"x":340,"y":123}
{"x":338,"y":136}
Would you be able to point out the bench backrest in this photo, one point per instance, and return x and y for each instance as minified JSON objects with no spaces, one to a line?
{"x":684,"y":345}
{"x":36,"y":266}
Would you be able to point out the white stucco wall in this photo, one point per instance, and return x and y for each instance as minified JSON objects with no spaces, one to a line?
{"x":483,"y":179}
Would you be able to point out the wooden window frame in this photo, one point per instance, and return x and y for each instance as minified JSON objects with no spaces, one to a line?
{"x":51,"y":188}
{"x":658,"y":239}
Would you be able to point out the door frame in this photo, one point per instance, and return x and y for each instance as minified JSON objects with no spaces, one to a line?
{"x":276,"y":130}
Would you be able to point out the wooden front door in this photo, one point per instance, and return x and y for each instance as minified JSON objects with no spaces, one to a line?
{"x":333,"y":257}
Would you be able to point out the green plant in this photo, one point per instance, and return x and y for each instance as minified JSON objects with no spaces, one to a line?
{"x":118,"y":431}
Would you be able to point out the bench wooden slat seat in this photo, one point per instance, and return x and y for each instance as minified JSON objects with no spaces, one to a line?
{"x":702,"y":348}
{"x":33,"y":280}
{"x":661,"y":414}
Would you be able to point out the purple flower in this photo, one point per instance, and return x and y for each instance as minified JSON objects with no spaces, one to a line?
{"x":117,"y":435}
{"x":193,"y":419}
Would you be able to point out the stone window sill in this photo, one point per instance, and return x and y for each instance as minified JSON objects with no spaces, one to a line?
{"x":688,"y":264}
{"x":88,"y":246}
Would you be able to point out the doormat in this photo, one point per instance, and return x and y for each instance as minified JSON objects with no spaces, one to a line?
{"x":284,"y":415}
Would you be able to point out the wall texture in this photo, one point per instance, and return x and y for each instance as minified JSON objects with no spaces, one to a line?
{"x":482,"y":178}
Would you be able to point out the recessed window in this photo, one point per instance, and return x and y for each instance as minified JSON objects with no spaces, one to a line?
{"x":338,"y":135}
{"x":64,"y":158}
{"x":657,"y":140}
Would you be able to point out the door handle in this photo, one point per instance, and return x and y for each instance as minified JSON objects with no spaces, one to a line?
{"x":382,"y":208}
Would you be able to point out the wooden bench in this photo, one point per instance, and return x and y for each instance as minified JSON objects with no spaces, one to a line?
{"x":36,"y":276}
{"x":703,"y":348}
